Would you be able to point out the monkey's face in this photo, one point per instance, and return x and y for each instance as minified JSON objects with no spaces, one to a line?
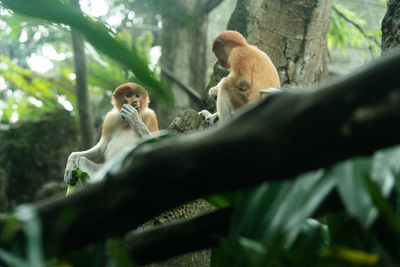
{"x":133,"y":98}
{"x":131,"y":94}
{"x":220,"y":53}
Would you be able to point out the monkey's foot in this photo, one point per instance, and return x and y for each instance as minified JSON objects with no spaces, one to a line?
{"x":210,"y":118}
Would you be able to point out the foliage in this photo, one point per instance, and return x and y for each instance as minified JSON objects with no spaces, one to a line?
{"x":104,"y":73}
{"x":273,"y":225}
{"x":95,"y":33}
{"x":80,"y":177}
{"x":36,"y":86}
{"x":343,"y":34}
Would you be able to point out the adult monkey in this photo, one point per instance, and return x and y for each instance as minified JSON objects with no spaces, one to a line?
{"x":123,"y":126}
{"x":251,"y":70}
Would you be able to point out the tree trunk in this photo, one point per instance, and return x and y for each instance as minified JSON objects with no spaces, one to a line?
{"x":293,"y":34}
{"x":183,"y":42}
{"x":391,"y":26}
{"x":82,"y":94}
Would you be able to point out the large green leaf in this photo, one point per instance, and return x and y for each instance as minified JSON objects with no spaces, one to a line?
{"x":270,"y":218}
{"x":351,"y":175}
{"x":94,"y":32}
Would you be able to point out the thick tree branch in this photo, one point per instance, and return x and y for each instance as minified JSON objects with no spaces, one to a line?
{"x":283,"y":136}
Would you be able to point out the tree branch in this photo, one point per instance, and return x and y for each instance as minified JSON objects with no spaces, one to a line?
{"x":193,"y":234}
{"x":356,"y":25}
{"x":283,"y":136}
{"x":210,"y":5}
{"x":191,"y":91}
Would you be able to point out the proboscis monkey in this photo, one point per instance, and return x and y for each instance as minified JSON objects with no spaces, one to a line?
{"x":130,"y":120}
{"x":251,"y":70}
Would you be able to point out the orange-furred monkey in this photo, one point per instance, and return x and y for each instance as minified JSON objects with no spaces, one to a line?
{"x":123,"y":126}
{"x":251,"y":70}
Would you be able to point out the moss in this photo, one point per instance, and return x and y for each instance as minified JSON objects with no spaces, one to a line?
{"x":33,"y":153}
{"x":240,"y":18}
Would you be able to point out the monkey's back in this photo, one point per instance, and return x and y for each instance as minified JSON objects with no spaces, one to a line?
{"x":256,"y":67}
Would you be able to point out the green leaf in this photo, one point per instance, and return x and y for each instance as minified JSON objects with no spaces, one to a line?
{"x":70,"y":190}
{"x":94,"y":32}
{"x":350,"y":176}
{"x":32,"y":228}
{"x":388,"y":214}
{"x":119,"y":254}
{"x":12,"y":260}
{"x":221,"y":200}
{"x":351,"y":256}
{"x":272,"y":216}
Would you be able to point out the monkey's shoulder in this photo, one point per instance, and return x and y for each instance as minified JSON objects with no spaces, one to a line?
{"x":149,"y":118}
{"x":149,"y":112}
{"x":112,"y":120}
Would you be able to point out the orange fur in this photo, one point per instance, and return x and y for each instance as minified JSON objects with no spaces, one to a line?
{"x":251,"y":70}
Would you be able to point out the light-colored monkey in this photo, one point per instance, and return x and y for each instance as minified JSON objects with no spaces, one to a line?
{"x":251,"y":70}
{"x":130,"y":120}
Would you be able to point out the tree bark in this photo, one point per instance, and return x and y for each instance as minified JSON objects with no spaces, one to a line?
{"x":353,"y":116}
{"x":293,"y":34}
{"x":391,"y":26}
{"x":82,"y":94}
{"x":194,"y":234}
{"x":183,"y":42}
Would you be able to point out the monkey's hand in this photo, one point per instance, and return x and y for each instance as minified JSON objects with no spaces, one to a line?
{"x":132,"y":116}
{"x":213,"y":92}
{"x":72,"y":164}
{"x":210,"y":118}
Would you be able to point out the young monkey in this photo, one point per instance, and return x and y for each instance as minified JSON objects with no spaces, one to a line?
{"x":123,"y":126}
{"x":251,"y":70}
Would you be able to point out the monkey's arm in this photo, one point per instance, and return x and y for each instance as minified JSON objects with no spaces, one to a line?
{"x":131,"y":115}
{"x":150,"y":119}
{"x":95,"y":155}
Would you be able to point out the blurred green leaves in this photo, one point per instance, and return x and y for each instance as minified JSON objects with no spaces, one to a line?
{"x":96,"y":33}
{"x":44,"y":89}
{"x":30,"y":224}
{"x":343,"y":34}
{"x":273,"y":223}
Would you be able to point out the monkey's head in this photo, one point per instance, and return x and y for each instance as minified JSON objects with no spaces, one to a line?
{"x":132,"y":94}
{"x":223,"y":44}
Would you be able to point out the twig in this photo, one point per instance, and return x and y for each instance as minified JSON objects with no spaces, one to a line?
{"x":210,"y":5}
{"x":191,"y":91}
{"x":356,"y":25}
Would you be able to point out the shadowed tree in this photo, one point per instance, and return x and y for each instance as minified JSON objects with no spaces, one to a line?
{"x":391,"y":26}
{"x":184,"y":46}
{"x":82,"y":94}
